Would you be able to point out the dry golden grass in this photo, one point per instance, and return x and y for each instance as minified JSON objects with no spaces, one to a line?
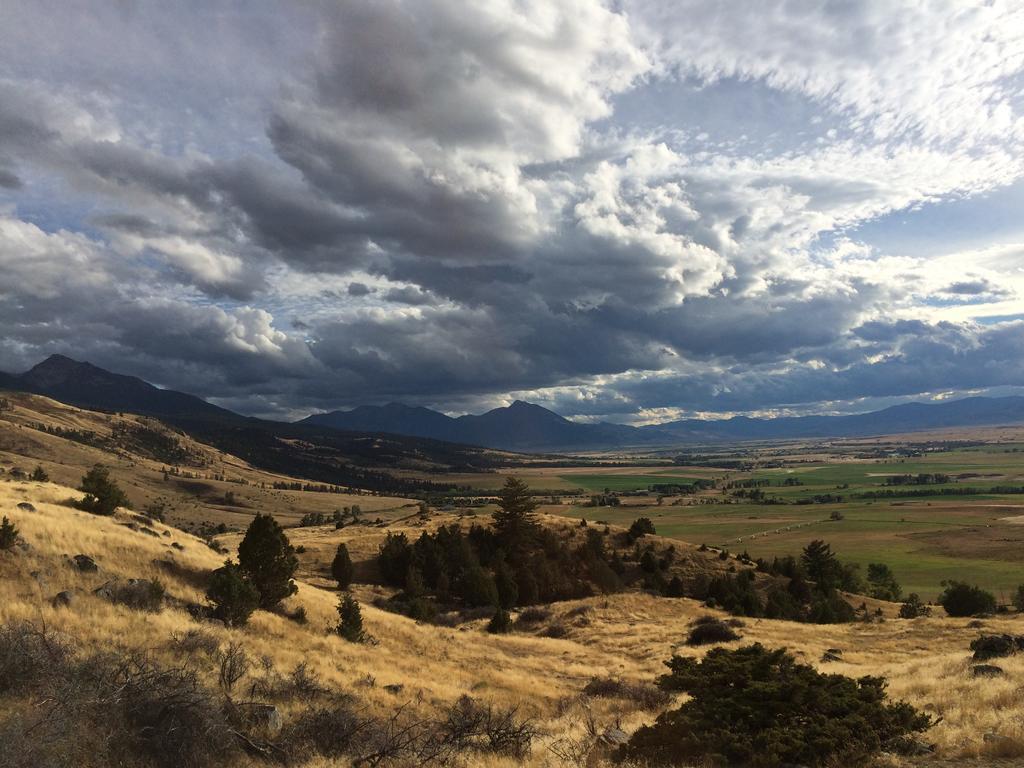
{"x":626,"y":635}
{"x":188,"y":501}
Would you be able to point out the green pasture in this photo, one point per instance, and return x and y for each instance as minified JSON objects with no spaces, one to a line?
{"x":621,"y":482}
{"x":899,"y":534}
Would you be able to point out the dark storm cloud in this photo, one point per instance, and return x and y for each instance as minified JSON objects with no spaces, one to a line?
{"x":411,"y":295}
{"x":9,"y":179}
{"x":359,"y":289}
{"x":887,"y":331}
{"x":945,"y":361}
{"x":978,"y":289}
{"x":441,"y":206}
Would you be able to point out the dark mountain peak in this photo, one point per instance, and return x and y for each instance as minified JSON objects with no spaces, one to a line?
{"x":56,"y":360}
{"x":89,"y":386}
{"x":523,"y":409}
{"x":57,"y":363}
{"x":395,"y":418}
{"x":406,"y":408}
{"x":59,"y":370}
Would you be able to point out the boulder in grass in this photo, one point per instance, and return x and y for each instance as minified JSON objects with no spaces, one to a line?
{"x":987,"y":670}
{"x":63,"y":599}
{"x":614,"y":737}
{"x":141,"y":594}
{"x":24,"y":506}
{"x":85,"y":564}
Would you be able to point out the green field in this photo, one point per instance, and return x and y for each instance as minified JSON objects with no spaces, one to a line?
{"x":924,"y":540}
{"x":620,"y":482}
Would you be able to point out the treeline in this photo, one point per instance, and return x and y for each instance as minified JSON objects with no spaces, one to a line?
{"x":281,"y":485}
{"x":922,"y":478}
{"x":457,"y":492}
{"x":138,"y":438}
{"x":603,"y":500}
{"x":716,"y":462}
{"x":1008,"y":490}
{"x":338,"y":518}
{"x":83,"y":436}
{"x":155,"y":443}
{"x":677,"y":489}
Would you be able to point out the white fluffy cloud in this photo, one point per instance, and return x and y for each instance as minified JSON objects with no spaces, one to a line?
{"x":946,"y":71}
{"x":584,"y":201}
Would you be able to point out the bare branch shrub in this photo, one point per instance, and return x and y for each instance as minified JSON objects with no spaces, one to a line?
{"x":234,"y":665}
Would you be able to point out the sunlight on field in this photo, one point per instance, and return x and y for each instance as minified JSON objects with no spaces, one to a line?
{"x":625,"y":635}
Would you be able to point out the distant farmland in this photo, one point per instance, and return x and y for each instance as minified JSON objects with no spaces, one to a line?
{"x":924,"y":538}
{"x":620,"y":482}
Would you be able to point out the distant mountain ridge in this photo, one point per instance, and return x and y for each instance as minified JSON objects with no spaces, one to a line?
{"x":523,"y":426}
{"x":520,"y":426}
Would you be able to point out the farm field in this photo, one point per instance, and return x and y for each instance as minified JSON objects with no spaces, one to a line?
{"x":567,"y":479}
{"x":624,"y":481}
{"x":924,"y":539}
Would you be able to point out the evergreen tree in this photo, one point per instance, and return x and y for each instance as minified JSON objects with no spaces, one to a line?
{"x":675,"y":588}
{"x":821,"y":564}
{"x":639,"y":528}
{"x":394,"y":558}
{"x":8,"y":534}
{"x":478,"y":588}
{"x":758,"y":707}
{"x":515,"y":522}
{"x":961,"y":599}
{"x":268,"y":561}
{"x":648,"y":562}
{"x":414,"y":586}
{"x":102,"y":495}
{"x":913,"y":607}
{"x":341,"y":567}
{"x":500,"y":622}
{"x":443,"y":588}
{"x":39,"y":475}
{"x":233,"y":597}
{"x":505,"y":581}
{"x":527,"y":589}
{"x":883,"y":582}
{"x":350,"y":624}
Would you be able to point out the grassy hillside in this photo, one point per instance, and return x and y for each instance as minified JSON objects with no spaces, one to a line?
{"x":205,"y":486}
{"x":625,"y":636}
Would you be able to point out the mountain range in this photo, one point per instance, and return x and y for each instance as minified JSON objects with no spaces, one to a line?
{"x":518,"y":427}
{"x":524,"y":426}
{"x":316,"y":453}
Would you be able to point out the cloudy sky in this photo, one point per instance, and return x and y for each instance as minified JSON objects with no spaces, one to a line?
{"x":629,"y":209}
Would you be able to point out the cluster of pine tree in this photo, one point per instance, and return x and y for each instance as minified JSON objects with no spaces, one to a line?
{"x":513,"y":563}
{"x":810,"y":592}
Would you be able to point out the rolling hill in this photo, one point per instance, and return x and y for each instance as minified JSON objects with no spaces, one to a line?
{"x":357,"y":459}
